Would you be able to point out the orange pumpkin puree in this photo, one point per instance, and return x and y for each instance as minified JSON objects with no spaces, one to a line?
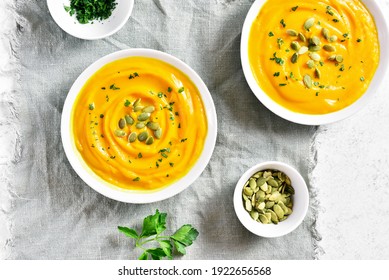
{"x":109,"y":96}
{"x":340,"y":74}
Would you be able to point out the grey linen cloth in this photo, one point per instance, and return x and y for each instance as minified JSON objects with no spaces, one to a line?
{"x":56,"y":215}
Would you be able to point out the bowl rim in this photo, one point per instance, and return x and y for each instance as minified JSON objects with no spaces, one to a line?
{"x":130,"y":196}
{"x":375,"y":9}
{"x":90,"y":37}
{"x":282,"y":228}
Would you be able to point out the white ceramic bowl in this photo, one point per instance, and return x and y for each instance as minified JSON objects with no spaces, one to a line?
{"x":109,"y":190}
{"x":300,"y":202}
{"x":306,"y":119}
{"x":97,"y":30}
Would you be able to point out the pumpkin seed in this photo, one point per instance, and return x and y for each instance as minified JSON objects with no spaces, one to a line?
{"x":129,"y":120}
{"x":311,"y":64}
{"x":274,"y":217}
{"x":291,"y":32}
{"x":272,"y":183}
{"x":309,"y":23}
{"x":158,"y":133}
{"x":140,"y":125}
{"x":122,"y":123}
{"x":294,"y":58}
{"x":261,"y":206}
{"x":248,"y":205}
{"x":339,"y":58}
{"x":329,"y":48}
{"x":282,"y":205}
{"x":148,"y":109}
{"x":295,"y":45}
{"x":119,"y":133}
{"x":326,"y":33}
{"x":269,"y":204}
{"x":315,"y":41}
{"x":254,"y":215}
{"x":153,"y":125}
{"x":278,"y":210}
{"x":252,"y":183}
{"x":143,"y":117}
{"x":264,"y":187}
{"x":143,"y":136}
{"x":315,"y":56}
{"x":332,"y":57}
{"x":308,"y":81}
{"x":136,"y":102}
{"x":333,"y":39}
{"x":302,"y":37}
{"x":317,"y":73}
{"x":132,"y":137}
{"x":303,"y":50}
{"x":138,"y":108}
{"x":263,"y":219}
{"x":314,"y":48}
{"x":248,"y":191}
{"x":149,"y":140}
{"x":261,"y":181}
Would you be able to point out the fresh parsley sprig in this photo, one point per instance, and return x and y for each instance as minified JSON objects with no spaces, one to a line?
{"x":153,"y":226}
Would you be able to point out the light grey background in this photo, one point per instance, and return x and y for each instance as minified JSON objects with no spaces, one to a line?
{"x":54,"y":215}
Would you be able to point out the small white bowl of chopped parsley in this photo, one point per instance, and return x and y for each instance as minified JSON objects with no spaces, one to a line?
{"x":90,"y":19}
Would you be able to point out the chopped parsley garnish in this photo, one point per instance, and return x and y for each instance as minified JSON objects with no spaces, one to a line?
{"x":335,"y":20}
{"x":127,"y":103}
{"x":113,"y":87}
{"x":181,"y":90}
{"x":282,"y":85}
{"x":295,"y":8}
{"x":160,"y":94}
{"x":89,"y":10}
{"x":271,"y":34}
{"x":171,"y":164}
{"x":280,"y":42}
{"x":91,"y":106}
{"x":140,"y":155}
{"x":362,"y":79}
{"x":359,"y":40}
{"x":136,"y":179}
{"x":101,"y":116}
{"x":169,"y":89}
{"x":276,"y":74}
{"x":278,"y":60}
{"x":283,"y":23}
{"x":183,"y":140}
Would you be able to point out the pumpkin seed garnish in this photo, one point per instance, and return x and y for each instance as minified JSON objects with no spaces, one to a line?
{"x":292,"y":32}
{"x":138,"y":108}
{"x":132,"y":137}
{"x":152,"y":125}
{"x":314,"y":48}
{"x":302,"y":50}
{"x":140,"y":125}
{"x":317,"y":73}
{"x":295,"y":56}
{"x":315,"y":56}
{"x":302,"y":37}
{"x":307,"y":81}
{"x":329,"y":48}
{"x":311,"y":64}
{"x":315,"y":41}
{"x":339,"y":58}
{"x":309,"y":23}
{"x":148,"y":109}
{"x":158,"y":133}
{"x":136,"y":102}
{"x":122,"y":123}
{"x":143,"y":117}
{"x":266,"y":197}
{"x":326,"y":33}
{"x":149,"y":140}
{"x":332,"y":57}
{"x":129,"y":120}
{"x":333,"y":39}
{"x":143,"y":136}
{"x":295,"y":45}
{"x":119,"y":133}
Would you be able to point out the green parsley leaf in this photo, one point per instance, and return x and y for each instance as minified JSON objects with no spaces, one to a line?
{"x":144,"y":256}
{"x":271,"y":34}
{"x":166,"y":247}
{"x":127,"y":103}
{"x":185,"y":235}
{"x":154,"y":224}
{"x":156,"y":254}
{"x":181,"y":90}
{"x":295,"y":8}
{"x":128,"y":232}
{"x":113,"y":87}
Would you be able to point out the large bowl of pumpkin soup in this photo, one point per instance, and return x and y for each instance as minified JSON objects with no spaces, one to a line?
{"x":139,"y":126}
{"x":314,"y":62}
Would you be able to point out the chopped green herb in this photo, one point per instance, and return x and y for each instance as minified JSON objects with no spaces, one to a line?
{"x":171,"y":164}
{"x":136,"y":179}
{"x":91,"y":106}
{"x":359,"y":40}
{"x":345,"y":35}
{"x":89,"y":10}
{"x":295,"y":8}
{"x":317,"y":93}
{"x":280,"y":42}
{"x":271,"y":34}
{"x":113,"y":87}
{"x":103,"y":88}
{"x":164,"y":155}
{"x":183,"y":140}
{"x":127,"y":103}
{"x":112,"y":157}
{"x":160,"y":94}
{"x":101,"y":116}
{"x":362,"y":79}
{"x":140,"y":155}
{"x":341,"y":68}
{"x":276,"y":74}
{"x":169,"y":89}
{"x":283,"y":23}
{"x":335,"y":20}
{"x":282,"y":85}
{"x":181,"y":90}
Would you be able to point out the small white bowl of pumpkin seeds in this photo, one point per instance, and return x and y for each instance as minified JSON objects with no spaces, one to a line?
{"x":271,"y":199}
